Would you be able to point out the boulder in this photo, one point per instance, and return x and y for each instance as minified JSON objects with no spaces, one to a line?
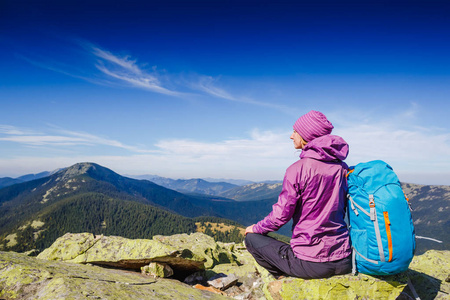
{"x":427,"y":274}
{"x":183,"y":252}
{"x":24,"y":277}
{"x":222,"y":281}
{"x":337,"y":287}
{"x":157,"y":270}
{"x":202,"y":245}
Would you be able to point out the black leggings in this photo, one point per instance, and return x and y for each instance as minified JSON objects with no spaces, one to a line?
{"x":279,"y":259}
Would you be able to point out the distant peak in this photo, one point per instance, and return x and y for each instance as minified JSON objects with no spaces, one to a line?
{"x":76,"y":170}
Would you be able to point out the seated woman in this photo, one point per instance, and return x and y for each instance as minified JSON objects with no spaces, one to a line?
{"x":313,"y":195}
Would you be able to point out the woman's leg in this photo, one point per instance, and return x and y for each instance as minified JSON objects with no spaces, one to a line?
{"x":278,"y":258}
{"x":266,"y":251}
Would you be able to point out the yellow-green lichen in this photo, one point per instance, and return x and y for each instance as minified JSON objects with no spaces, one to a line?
{"x":4,"y":294}
{"x":60,"y":280}
{"x":338,"y":287}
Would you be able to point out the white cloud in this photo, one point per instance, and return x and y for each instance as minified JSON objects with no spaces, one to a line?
{"x":60,"y":139}
{"x":261,"y":155}
{"x":124,"y":62}
{"x":208,"y":85}
{"x":126,"y":70}
{"x":109,"y":69}
{"x":417,"y":154}
{"x":12,"y":130}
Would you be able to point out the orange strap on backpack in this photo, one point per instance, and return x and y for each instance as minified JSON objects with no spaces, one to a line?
{"x":349,"y":171}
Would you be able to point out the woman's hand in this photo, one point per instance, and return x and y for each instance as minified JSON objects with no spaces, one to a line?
{"x":249,"y":229}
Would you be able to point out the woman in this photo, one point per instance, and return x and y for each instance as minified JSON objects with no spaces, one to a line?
{"x":313,"y":195}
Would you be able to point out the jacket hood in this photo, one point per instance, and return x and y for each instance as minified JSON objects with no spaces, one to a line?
{"x":326,"y":148}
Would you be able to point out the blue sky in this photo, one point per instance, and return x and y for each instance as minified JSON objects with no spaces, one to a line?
{"x":189,"y":89}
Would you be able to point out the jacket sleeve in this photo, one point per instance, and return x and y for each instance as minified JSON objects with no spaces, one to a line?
{"x":283,"y":210}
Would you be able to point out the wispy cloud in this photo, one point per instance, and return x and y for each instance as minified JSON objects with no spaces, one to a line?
{"x":126,"y":70}
{"x":104,"y":67}
{"x":208,"y":85}
{"x":12,"y":130}
{"x":59,"y":67}
{"x":124,"y":62}
{"x":60,"y":138}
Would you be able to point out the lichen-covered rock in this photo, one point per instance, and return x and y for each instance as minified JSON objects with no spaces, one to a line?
{"x":202,"y":245}
{"x":251,"y":276}
{"x":183,"y":252}
{"x":337,"y":287}
{"x":24,"y":277}
{"x":157,"y":270}
{"x":429,"y":274}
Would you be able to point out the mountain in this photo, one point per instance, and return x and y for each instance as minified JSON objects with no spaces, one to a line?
{"x":239,"y":182}
{"x":30,"y":177}
{"x":7,"y":181}
{"x":430,"y":211}
{"x":196,"y":186}
{"x":89,"y":197}
{"x":254,"y":192}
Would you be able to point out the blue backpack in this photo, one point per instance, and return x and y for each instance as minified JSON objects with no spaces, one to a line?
{"x":381,"y":227}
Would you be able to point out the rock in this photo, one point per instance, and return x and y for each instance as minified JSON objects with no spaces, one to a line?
{"x":222,"y":281}
{"x":157,"y":270}
{"x":202,"y":245}
{"x":32,"y":252}
{"x":183,"y":252}
{"x":197,"y":277}
{"x":337,"y":287}
{"x":24,"y":277}
{"x":235,"y":291}
{"x":429,"y":273}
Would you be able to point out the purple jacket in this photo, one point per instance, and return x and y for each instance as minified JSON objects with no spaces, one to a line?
{"x":313,"y":195}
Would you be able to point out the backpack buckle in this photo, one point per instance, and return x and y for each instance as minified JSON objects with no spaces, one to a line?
{"x":373,"y":214}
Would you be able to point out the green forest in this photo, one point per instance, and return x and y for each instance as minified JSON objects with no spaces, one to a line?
{"x":100,"y":214}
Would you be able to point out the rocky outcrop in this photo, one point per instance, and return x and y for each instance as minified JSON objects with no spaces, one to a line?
{"x":216,"y":271}
{"x":430,"y":274}
{"x":23,"y":277}
{"x":183,"y":252}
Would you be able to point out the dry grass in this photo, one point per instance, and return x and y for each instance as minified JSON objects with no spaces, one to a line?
{"x":218,"y":227}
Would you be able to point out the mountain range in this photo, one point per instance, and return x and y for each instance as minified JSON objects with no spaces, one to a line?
{"x":192,"y":186}
{"x":89,"y":197}
{"x":7,"y":181}
{"x":92,"y":198}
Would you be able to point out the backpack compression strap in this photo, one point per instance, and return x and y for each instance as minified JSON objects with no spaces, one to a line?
{"x":373,"y":217}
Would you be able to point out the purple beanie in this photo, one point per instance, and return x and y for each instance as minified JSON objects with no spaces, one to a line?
{"x":313,"y":125}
